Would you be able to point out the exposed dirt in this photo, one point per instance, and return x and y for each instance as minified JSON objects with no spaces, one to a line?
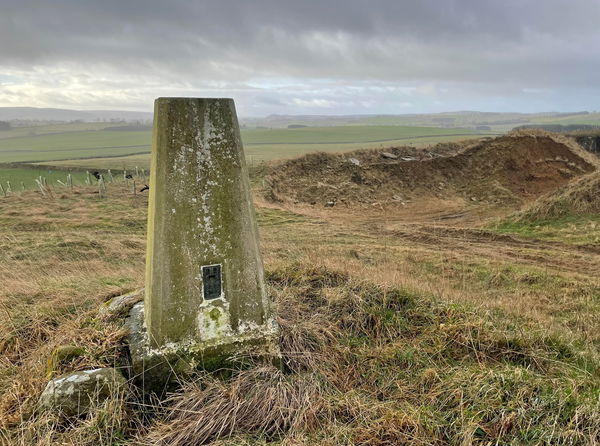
{"x":580,"y":197}
{"x":505,"y":171}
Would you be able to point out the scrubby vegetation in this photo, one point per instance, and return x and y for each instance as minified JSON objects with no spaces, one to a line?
{"x":371,"y":365}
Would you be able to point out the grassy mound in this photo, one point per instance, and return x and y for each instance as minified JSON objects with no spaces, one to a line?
{"x":571,"y":213}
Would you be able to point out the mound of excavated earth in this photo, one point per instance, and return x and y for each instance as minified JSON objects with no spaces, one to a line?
{"x":510,"y":169}
{"x":581,"y":197}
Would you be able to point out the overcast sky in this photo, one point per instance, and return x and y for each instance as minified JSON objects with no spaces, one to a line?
{"x":303,"y":56}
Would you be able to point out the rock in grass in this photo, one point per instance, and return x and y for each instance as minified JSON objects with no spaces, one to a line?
{"x":60,"y":355}
{"x":119,"y":306}
{"x":79,"y":393}
{"x":389,"y":155}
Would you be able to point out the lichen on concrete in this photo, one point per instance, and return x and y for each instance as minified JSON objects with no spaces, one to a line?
{"x":155,"y":368}
{"x":200,"y":214}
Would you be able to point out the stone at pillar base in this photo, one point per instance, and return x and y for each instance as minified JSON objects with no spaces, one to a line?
{"x":159,"y":370}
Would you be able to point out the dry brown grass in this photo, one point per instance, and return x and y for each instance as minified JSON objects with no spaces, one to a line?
{"x":395,"y":367}
{"x":261,"y":401}
{"x":581,"y":197}
{"x":393,"y":332}
{"x":60,"y":259}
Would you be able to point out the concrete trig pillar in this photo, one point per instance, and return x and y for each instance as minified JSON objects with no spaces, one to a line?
{"x":205,"y":296}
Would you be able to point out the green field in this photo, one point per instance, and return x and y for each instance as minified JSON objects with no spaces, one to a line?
{"x":17,"y":132}
{"x":344,"y":134}
{"x":498,"y":122}
{"x":254,"y":153}
{"x":27,"y":176}
{"x":81,"y":144}
{"x":583,"y":119}
{"x":88,"y":146}
{"x":128,"y":162}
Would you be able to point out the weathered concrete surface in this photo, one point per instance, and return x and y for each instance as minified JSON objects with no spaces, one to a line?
{"x":79,"y":392}
{"x":200,"y":214}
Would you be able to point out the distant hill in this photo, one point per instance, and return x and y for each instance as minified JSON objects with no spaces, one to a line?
{"x":559,"y":128}
{"x":64,"y":115}
{"x":489,"y":121}
{"x":482,"y":121}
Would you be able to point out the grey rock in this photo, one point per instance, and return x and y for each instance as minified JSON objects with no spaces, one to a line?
{"x":389,"y":155}
{"x":79,"y":393}
{"x":120,"y":305}
{"x":354,"y":161}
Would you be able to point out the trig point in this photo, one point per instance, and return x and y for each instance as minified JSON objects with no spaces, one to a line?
{"x":205,"y":299}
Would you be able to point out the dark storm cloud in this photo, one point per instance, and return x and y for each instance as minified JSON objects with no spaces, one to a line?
{"x":130,"y":47}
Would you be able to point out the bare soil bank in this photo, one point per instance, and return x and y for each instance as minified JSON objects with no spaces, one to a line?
{"x":508,"y":170}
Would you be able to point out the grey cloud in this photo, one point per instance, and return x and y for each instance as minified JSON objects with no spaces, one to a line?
{"x":140,"y":46}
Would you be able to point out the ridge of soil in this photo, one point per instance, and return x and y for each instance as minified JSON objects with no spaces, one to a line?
{"x":508,"y":170}
{"x":579,"y":197}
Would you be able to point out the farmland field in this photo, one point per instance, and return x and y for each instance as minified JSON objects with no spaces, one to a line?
{"x":73,"y":145}
{"x":99,"y":144}
{"x":27,"y":175}
{"x":582,"y":119}
{"x":255,"y":153}
{"x":496,"y":122}
{"x":17,"y":132}
{"x":344,"y":134}
{"x":90,"y":146}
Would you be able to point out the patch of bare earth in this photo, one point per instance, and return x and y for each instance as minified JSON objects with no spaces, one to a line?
{"x":504,"y":172}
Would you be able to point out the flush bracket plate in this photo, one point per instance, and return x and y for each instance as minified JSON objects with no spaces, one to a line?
{"x":211,"y":282}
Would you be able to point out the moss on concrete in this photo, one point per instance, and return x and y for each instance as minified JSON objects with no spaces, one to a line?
{"x":158,"y":370}
{"x":200,"y":214}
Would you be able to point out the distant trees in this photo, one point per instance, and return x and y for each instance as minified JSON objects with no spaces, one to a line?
{"x":559,"y":128}
{"x":4,"y":125}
